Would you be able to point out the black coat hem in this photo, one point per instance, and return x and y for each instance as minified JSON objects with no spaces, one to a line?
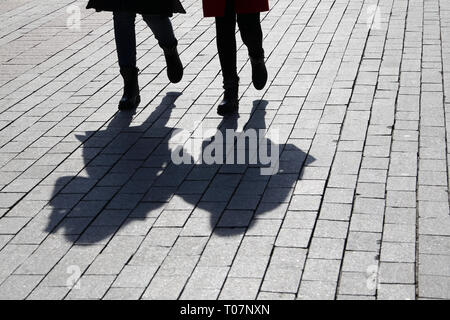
{"x":162,"y":7}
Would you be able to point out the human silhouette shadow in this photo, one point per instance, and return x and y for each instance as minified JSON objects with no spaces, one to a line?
{"x":136,"y":167}
{"x":260,"y":189}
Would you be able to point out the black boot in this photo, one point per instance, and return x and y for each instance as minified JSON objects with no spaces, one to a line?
{"x":174,"y":64}
{"x":230,"y":102}
{"x":131,"y":97}
{"x":259,"y":73}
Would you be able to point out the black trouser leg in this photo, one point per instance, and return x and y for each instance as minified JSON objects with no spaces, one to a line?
{"x":226,"y":45}
{"x":251,"y":33}
{"x":125,"y":36}
{"x":162,"y":29}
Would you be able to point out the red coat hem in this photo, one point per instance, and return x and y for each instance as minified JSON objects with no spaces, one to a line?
{"x":216,"y":8}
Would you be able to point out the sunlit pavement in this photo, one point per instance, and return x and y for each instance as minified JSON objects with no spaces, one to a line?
{"x":93,"y":207}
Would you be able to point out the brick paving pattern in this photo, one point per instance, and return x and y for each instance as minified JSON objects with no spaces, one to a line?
{"x":91,"y":206}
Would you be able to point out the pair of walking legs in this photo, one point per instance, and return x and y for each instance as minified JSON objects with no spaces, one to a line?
{"x":125,"y":35}
{"x":252,"y":36}
{"x":251,"y":33}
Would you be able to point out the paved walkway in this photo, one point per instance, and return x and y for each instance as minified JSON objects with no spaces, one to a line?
{"x":91,"y":205}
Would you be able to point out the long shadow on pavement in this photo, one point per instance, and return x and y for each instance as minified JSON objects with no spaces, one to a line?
{"x":135,"y":173}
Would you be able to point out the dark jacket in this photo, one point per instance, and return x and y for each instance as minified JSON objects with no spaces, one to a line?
{"x":165,"y":7}
{"x":216,"y":8}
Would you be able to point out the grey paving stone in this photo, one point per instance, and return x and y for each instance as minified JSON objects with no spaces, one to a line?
{"x":366,"y":223}
{"x":396,"y":292}
{"x":256,"y":246}
{"x":8,"y":200}
{"x":354,"y":297}
{"x":137,"y":227}
{"x":313,"y":187}
{"x":335,"y":211}
{"x":434,"y":287}
{"x":434,"y":226}
{"x":12,"y":225}
{"x":321,"y":270}
{"x":264,"y":227}
{"x":97,"y":234}
{"x":178,"y":266}
{"x":371,"y":190}
{"x":369,"y":206}
{"x":437,"y":265}
{"x":200,"y":294}
{"x":295,"y":238}
{"x":240,"y":288}
{"x":347,"y":181}
{"x":275,"y":296}
{"x":106,"y":218}
{"x":13,"y":256}
{"x":331,"y":229}
{"x":235,"y":218}
{"x":26,"y":208}
{"x":354,"y":283}
{"x":326,"y":248}
{"x":164,"y":237}
{"x":148,"y":255}
{"x":269,"y":211}
{"x":165,"y":287}
{"x":135,"y":277}
{"x":123,"y":294}
{"x":399,"y":233}
{"x":358,"y":261}
{"x":434,"y":245}
{"x":115,"y":255}
{"x":207,"y":278}
{"x":402,"y":199}
{"x":401,"y":183}
{"x":249,"y":266}
{"x":397,"y":273}
{"x":281,"y":279}
{"x":398,"y":216}
{"x":46,"y":255}
{"x":364,"y":241}
{"x":172,"y":218}
{"x":87,"y":208}
{"x":48,"y":293}
{"x":375,"y":163}
{"x":188,"y":246}
{"x":305,"y":203}
{"x":4,"y":239}
{"x":18,"y":287}
{"x":299,"y":220}
{"x":398,"y":252}
{"x":91,"y":287}
{"x":317,"y":290}
{"x":333,"y":195}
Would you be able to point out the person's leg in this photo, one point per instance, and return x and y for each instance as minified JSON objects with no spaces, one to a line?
{"x":251,"y":33}
{"x":163,"y":31}
{"x":252,"y":36}
{"x":126,"y":51}
{"x":226,"y":46}
{"x":125,"y":36}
